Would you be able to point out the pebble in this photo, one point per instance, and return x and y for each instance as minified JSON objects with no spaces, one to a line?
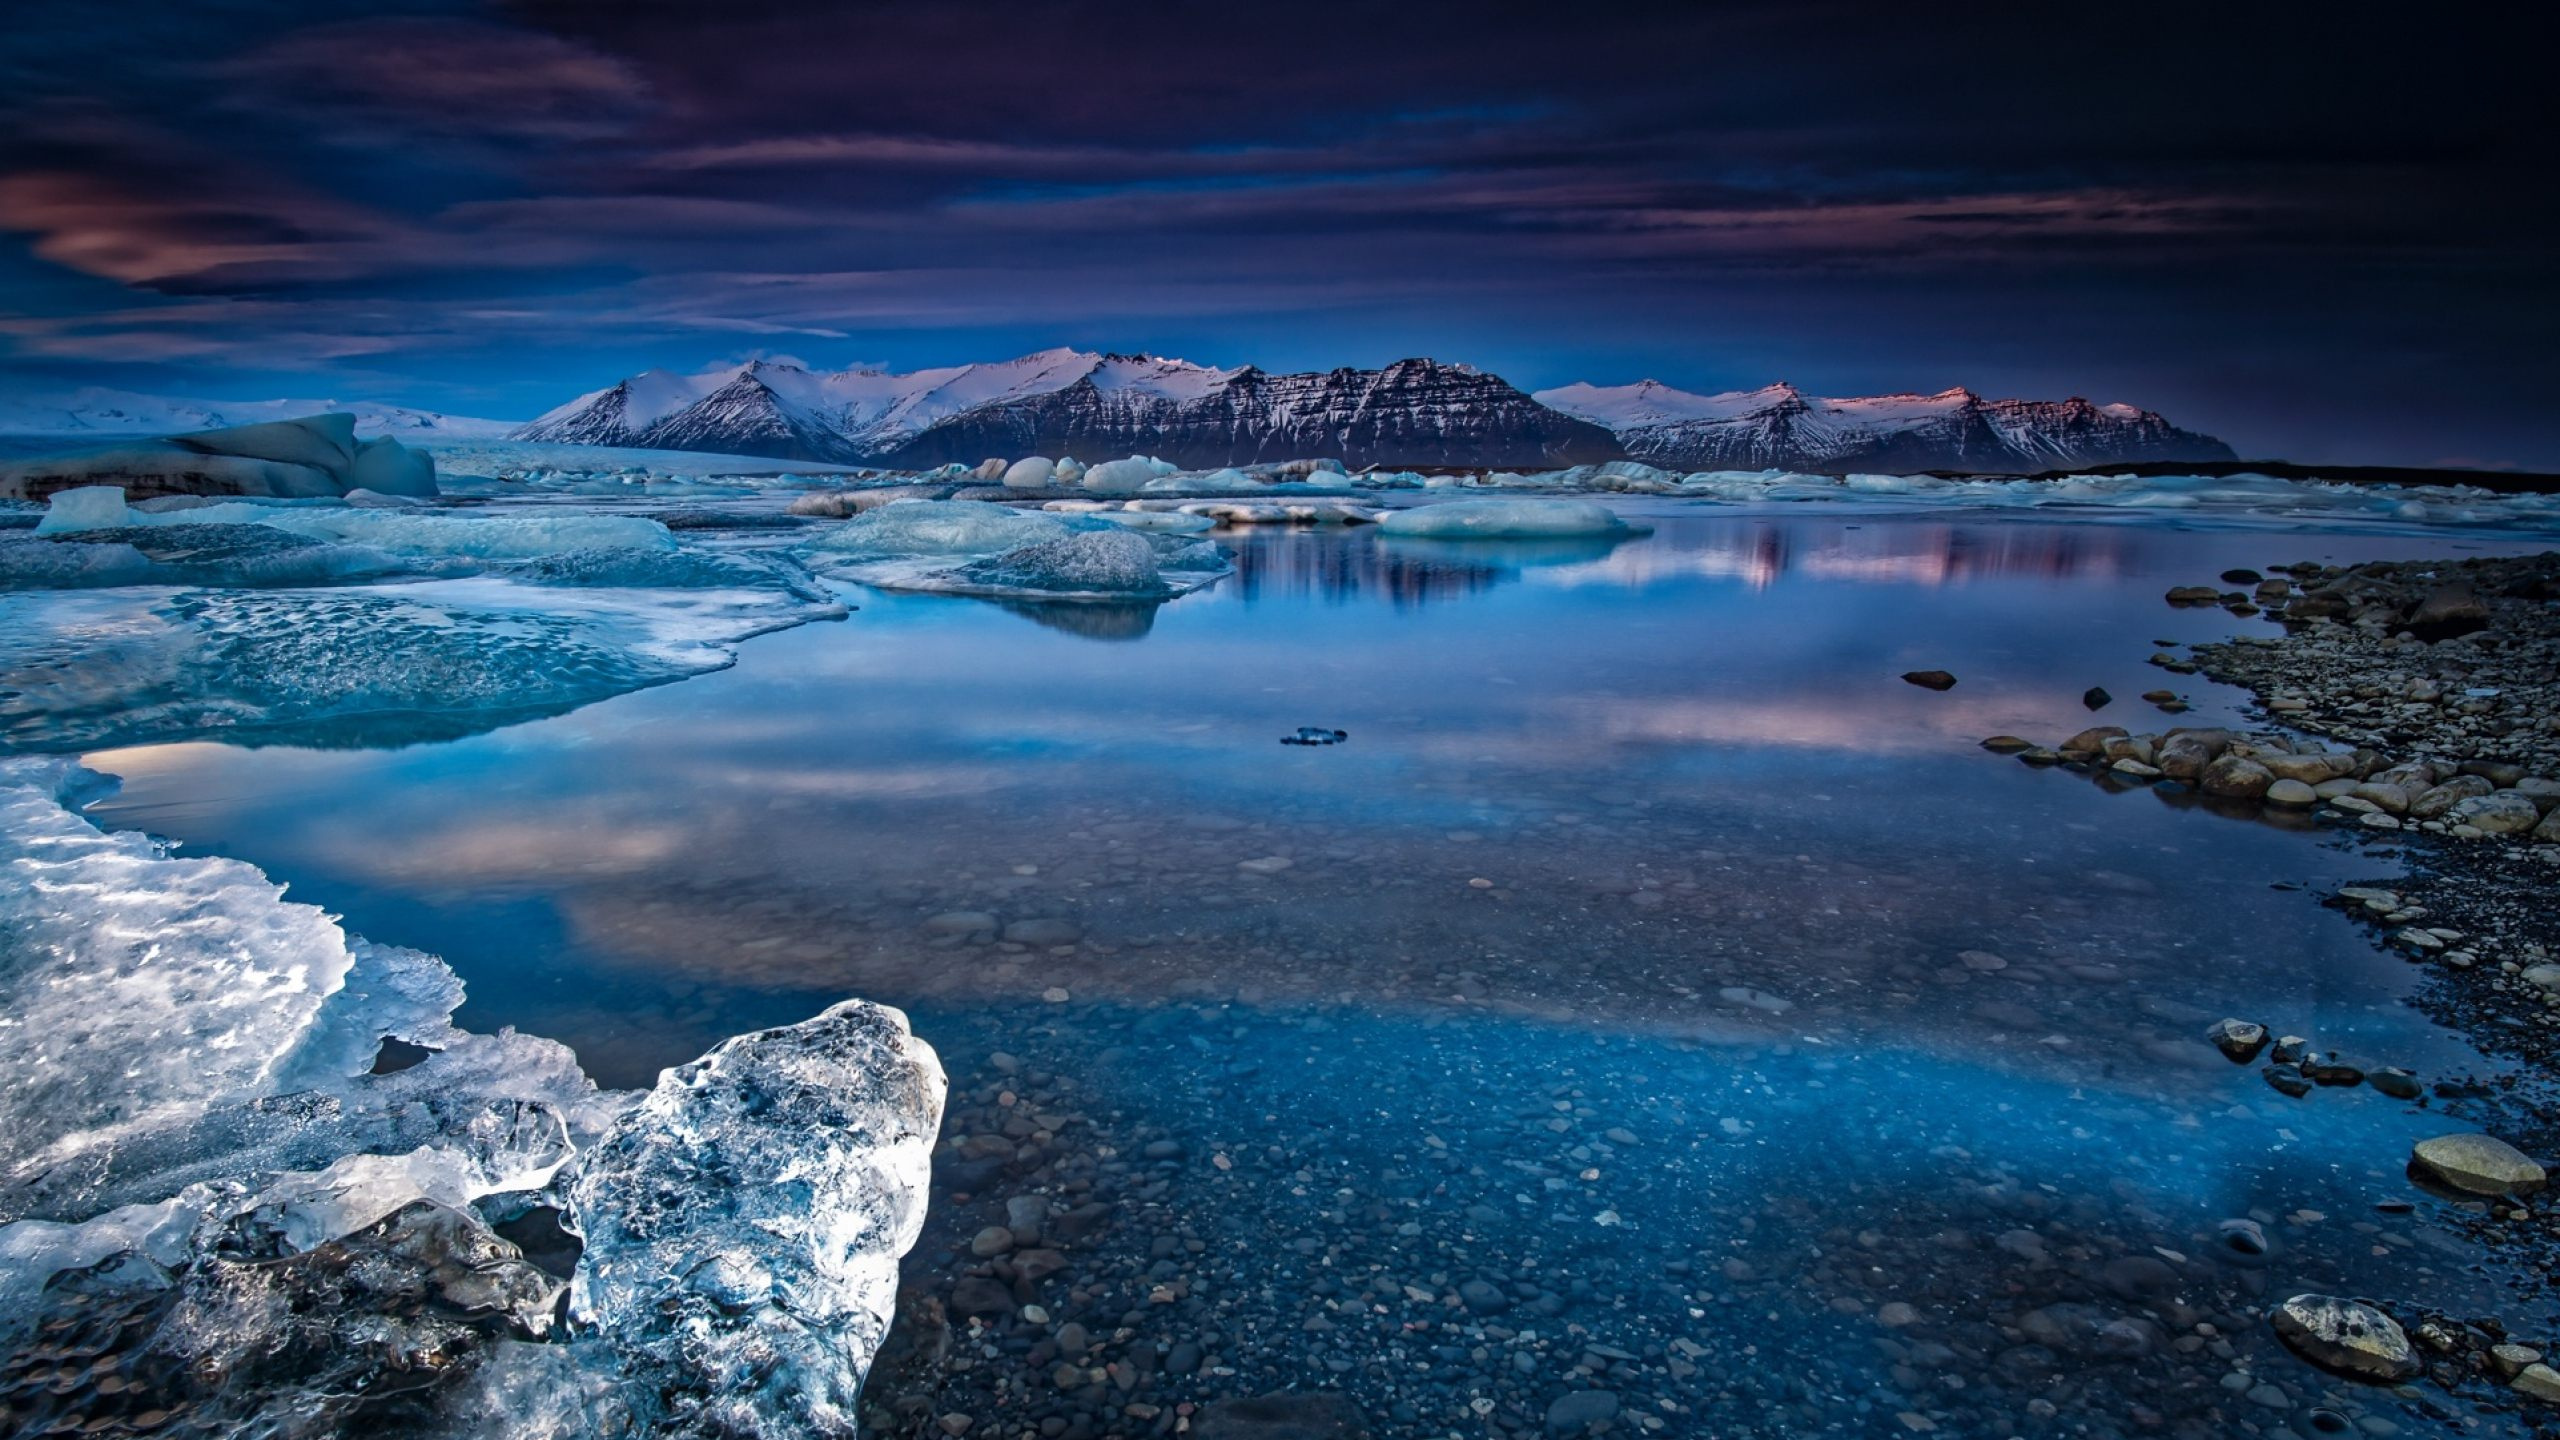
{"x":2345,"y":1337}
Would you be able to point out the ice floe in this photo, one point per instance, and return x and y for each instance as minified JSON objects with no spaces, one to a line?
{"x":1506,"y":519}
{"x":221,"y":1197}
{"x":317,"y":455}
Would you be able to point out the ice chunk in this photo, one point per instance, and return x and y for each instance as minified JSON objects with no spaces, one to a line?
{"x":384,"y":466}
{"x":314,"y":456}
{"x":1070,"y":471}
{"x":743,"y":1223}
{"x":1105,"y":563}
{"x":1498,"y":519}
{"x":323,"y":442}
{"x":1122,"y":477}
{"x":938,"y":527}
{"x":90,"y":507}
{"x":1034,"y":472}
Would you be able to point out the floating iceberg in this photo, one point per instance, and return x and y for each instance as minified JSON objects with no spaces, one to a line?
{"x":1506,"y":519}
{"x":1034,"y":472}
{"x":474,"y":536}
{"x":247,"y":1229}
{"x":315,"y":456}
{"x":937,"y":527}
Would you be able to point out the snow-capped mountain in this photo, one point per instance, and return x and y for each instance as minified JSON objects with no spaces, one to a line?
{"x":1071,"y":402}
{"x":104,"y":412}
{"x":1780,"y":427}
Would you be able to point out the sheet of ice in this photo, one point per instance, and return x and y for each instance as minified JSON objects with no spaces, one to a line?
{"x":220,"y":1198}
{"x":396,"y":531}
{"x":1501,"y":519}
{"x":2238,"y":496}
{"x":378,"y":664}
{"x":1093,"y":559}
{"x":743,"y":1223}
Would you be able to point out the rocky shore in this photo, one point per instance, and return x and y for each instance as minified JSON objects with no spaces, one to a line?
{"x":2415,"y":706}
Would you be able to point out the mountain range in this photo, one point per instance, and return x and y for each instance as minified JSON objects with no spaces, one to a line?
{"x":1411,"y":413}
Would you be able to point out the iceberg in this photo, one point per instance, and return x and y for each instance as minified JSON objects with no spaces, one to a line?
{"x":1034,"y":472}
{"x":1506,"y":519}
{"x":316,"y":456}
{"x":937,"y":527}
{"x":248,"y":1225}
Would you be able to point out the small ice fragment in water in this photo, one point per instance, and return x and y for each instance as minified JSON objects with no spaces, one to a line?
{"x":1506,"y":519}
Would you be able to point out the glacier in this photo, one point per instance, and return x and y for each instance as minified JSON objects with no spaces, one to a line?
{"x":258,"y":1234}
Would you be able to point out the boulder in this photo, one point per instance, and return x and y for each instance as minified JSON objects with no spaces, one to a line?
{"x":2346,"y":1337}
{"x":2447,"y":611}
{"x":2185,"y":753}
{"x":2092,"y":741}
{"x":2476,"y":1164}
{"x":2309,"y":769}
{"x":2236,"y":777}
{"x":2438,"y":801}
{"x":2504,"y":813}
{"x":2292,"y":794}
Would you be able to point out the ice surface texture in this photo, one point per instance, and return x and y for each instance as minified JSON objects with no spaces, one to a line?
{"x":937,"y":527}
{"x":971,"y":547}
{"x":271,"y":1239}
{"x":1503,"y":519}
{"x":744,"y":1222}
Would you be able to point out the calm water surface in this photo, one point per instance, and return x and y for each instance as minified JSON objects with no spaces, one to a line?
{"x":1654,"y":998}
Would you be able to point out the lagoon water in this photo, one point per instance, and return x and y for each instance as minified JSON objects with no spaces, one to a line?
{"x":1654,"y":1011}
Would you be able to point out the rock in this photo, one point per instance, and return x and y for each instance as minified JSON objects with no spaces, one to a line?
{"x":2006,"y":745}
{"x":2193,"y":595}
{"x":2039,"y":756}
{"x":2438,"y":801}
{"x":2509,"y":1360}
{"x":2092,"y":741}
{"x":2287,"y":1080}
{"x":2309,"y":769}
{"x":1930,"y":679}
{"x":2393,"y":1081}
{"x":979,"y":1295}
{"x":991,"y":1241}
{"x":2346,"y":1337}
{"x":2504,"y":813}
{"x":2447,"y":611}
{"x":960,"y":922}
{"x":2240,"y":1040}
{"x":2235,"y":777}
{"x":1483,"y":1297}
{"x":2505,"y":774}
{"x":2292,"y":794}
{"x":1288,"y":1415}
{"x":2539,"y":1381}
{"x":2184,"y":754}
{"x":2096,"y":697}
{"x":1043,"y":933}
{"x":2390,"y":799}
{"x":2476,"y":1164}
{"x":2244,"y":1238}
{"x":2548,"y":832}
{"x":2241,"y":577}
{"x":1576,"y":1410}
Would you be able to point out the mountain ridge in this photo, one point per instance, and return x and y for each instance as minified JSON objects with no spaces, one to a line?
{"x":1414,"y":412}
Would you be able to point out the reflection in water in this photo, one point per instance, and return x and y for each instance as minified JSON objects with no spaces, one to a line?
{"x":1093,"y":620}
{"x":1653,"y":969}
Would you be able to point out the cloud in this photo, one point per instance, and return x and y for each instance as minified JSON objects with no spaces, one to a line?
{"x":441,"y":76}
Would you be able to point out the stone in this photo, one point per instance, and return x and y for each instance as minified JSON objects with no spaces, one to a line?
{"x":2292,"y":794}
{"x":2235,"y":777}
{"x":2477,"y":1164}
{"x":2505,"y":774}
{"x":2240,"y":1040}
{"x":2448,"y":611}
{"x":1043,"y":933}
{"x":2504,"y":813}
{"x":1577,"y":1410}
{"x":1288,"y":1415}
{"x":1930,"y":679}
{"x":2096,"y":697}
{"x":1483,"y":1297}
{"x":2346,"y":1337}
{"x":2184,"y":754}
{"x":2309,"y":769}
{"x":2393,"y":1081}
{"x":979,"y":1295}
{"x":2092,"y":741}
{"x":991,"y":1241}
{"x":960,"y":922}
{"x":2006,"y":745}
{"x":2287,"y":1080}
{"x":2381,"y":796}
{"x":2539,"y":1381}
{"x":2438,"y":801}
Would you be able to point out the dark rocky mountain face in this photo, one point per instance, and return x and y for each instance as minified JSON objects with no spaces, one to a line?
{"x":746,"y":417}
{"x":1411,"y":413}
{"x":1974,"y":436}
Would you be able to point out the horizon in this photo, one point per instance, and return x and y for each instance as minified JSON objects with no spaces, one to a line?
{"x":485,"y":210}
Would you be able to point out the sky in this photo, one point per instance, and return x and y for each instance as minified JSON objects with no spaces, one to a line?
{"x":2321,"y":233}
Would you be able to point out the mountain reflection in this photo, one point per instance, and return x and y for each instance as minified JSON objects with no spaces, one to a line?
{"x":1406,"y":572}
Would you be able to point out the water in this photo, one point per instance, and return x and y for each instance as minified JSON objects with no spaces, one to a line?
{"x":1650,"y":992}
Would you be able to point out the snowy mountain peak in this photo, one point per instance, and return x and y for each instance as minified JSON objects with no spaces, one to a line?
{"x":1953,"y":430}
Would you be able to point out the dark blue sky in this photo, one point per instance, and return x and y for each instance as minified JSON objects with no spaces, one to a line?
{"x":2319,"y":233}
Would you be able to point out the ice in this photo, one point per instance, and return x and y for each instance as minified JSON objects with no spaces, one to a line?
{"x":255,"y":1234}
{"x":1112,"y":562}
{"x":1034,"y":472}
{"x":1123,"y":477}
{"x":379,"y":664}
{"x":937,"y":527}
{"x":314,"y":456}
{"x":743,"y":1223}
{"x":399,"y":531}
{"x":1497,"y":519}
